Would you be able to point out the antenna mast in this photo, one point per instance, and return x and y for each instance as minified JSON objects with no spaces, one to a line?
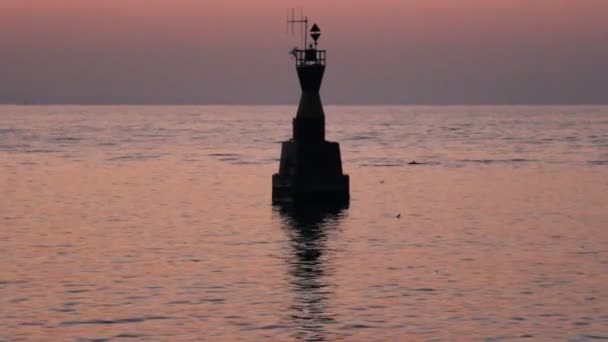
{"x":303,"y":21}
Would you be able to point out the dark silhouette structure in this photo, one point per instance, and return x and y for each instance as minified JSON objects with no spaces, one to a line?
{"x":311,"y":167}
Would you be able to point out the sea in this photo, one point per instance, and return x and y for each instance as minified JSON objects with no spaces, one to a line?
{"x":155,"y":223}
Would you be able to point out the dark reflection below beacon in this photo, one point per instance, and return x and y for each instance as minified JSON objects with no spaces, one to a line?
{"x":309,"y":227}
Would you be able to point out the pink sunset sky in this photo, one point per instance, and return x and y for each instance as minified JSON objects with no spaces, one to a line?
{"x":235,"y":51}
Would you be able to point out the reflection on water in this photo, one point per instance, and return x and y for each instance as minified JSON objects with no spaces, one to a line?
{"x":309,"y":227}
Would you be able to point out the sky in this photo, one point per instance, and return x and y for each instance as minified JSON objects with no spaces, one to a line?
{"x":236,"y":51}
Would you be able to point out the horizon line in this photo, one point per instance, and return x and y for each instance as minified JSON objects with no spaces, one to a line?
{"x":168,"y":104}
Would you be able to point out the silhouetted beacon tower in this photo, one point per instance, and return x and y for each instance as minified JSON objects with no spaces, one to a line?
{"x":311,"y":168}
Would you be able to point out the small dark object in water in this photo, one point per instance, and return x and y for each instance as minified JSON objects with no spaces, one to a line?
{"x":398,"y":215}
{"x":382,"y":182}
{"x":413,"y":162}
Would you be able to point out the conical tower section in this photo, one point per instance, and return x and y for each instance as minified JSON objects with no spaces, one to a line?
{"x":309,"y":123}
{"x":311,"y":167}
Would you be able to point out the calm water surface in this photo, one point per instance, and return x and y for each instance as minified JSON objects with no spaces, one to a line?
{"x":156,"y":223}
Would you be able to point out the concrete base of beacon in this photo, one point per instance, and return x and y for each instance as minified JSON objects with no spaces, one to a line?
{"x":310,"y":173}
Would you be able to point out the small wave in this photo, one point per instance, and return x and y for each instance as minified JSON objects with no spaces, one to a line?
{"x":360,"y":138}
{"x":452,"y":128}
{"x":13,"y":282}
{"x":15,"y":147}
{"x":224,"y":155}
{"x":398,"y":163}
{"x":213,"y":300}
{"x":128,"y":335}
{"x":41,"y":151}
{"x":9,"y":130}
{"x":180,"y":302}
{"x":384,"y":165}
{"x":235,"y":159}
{"x":598,"y":162}
{"x":32,"y":324}
{"x":135,"y":156}
{"x":150,"y":137}
{"x":19,"y":300}
{"x":77,"y":291}
{"x":356,"y":326}
{"x":67,"y":139}
{"x":232,"y":160}
{"x":382,"y":162}
{"x":247,"y":162}
{"x":490,"y":161}
{"x":596,"y":337}
{"x":269,"y":327}
{"x":115,"y":321}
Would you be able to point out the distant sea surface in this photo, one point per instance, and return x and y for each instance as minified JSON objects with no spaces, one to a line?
{"x":156,"y":223}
